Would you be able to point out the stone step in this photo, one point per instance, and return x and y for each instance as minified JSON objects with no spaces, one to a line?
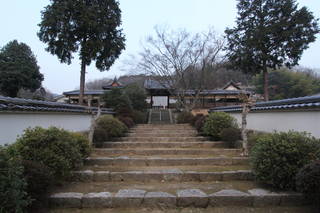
{"x":184,"y":168}
{"x":186,"y":134}
{"x":163,"y":139}
{"x":202,"y":144}
{"x":209,"y":209}
{"x":153,"y":152}
{"x":182,"y":197}
{"x":152,"y":161}
{"x":168,"y":175}
{"x":163,"y":131}
{"x":163,"y":127}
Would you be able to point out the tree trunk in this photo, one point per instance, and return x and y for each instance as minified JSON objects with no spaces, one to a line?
{"x":245,"y":111}
{"x":82,"y":81}
{"x":265,"y":84}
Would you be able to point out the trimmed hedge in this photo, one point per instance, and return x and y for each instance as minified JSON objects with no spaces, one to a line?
{"x":108,"y":128}
{"x":13,"y":185}
{"x":127,"y":121}
{"x":139,"y":117}
{"x":185,"y":117}
{"x":199,"y":123}
{"x":216,"y":122}
{"x":308,"y":181}
{"x":230,"y":135}
{"x":43,"y":157}
{"x":276,"y":158}
{"x":58,"y":149}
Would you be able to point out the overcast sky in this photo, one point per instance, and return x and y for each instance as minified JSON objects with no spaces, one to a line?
{"x":19,"y":20}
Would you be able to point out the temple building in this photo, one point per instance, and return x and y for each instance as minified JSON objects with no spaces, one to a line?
{"x":159,"y":96}
{"x":91,"y":97}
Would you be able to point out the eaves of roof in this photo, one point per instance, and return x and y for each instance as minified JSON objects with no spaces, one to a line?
{"x":18,"y":104}
{"x":307,"y":102}
{"x":86,"y":92}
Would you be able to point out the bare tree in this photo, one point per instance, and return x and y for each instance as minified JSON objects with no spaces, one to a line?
{"x":175,"y":56}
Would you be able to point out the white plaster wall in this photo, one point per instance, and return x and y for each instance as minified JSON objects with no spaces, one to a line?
{"x":160,"y":100}
{"x":13,"y":124}
{"x":308,"y":121}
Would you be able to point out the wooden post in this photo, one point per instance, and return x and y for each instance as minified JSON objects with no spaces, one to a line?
{"x":151,"y":101}
{"x":93,"y":125}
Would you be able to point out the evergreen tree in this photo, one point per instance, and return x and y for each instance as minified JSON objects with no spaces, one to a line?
{"x":137,"y":96}
{"x":284,"y":83}
{"x":88,"y":26}
{"x":18,"y":69}
{"x":269,"y":34}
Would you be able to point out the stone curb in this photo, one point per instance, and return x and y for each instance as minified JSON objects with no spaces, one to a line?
{"x":149,"y":152}
{"x":184,"y":198}
{"x":128,"y":144}
{"x":158,"y":161}
{"x":170,"y":175}
{"x":156,"y":135}
{"x":163,"y":139}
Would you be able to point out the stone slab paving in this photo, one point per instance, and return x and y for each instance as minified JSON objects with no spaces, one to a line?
{"x":182,"y":198}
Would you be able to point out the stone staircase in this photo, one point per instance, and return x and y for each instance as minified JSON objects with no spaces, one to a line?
{"x":160,"y":116}
{"x":166,"y":166}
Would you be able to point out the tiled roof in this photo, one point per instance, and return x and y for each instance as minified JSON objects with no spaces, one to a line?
{"x":307,"y":102}
{"x":86,"y":92}
{"x":19,"y":104}
{"x":115,"y":84}
{"x":153,"y":84}
{"x":216,"y":92}
{"x":231,"y":83}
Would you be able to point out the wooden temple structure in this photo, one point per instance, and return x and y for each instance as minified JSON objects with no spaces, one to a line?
{"x":91,"y":97}
{"x":159,"y":96}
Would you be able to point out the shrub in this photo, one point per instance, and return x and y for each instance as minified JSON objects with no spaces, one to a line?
{"x":13,"y":195}
{"x":111,"y":97}
{"x":185,"y":117}
{"x":199,"y":123}
{"x":127,"y":121}
{"x":137,"y":96}
{"x":107,"y":128}
{"x":139,"y":117}
{"x":124,"y":106}
{"x":195,"y":118}
{"x":231,"y":135}
{"x":82,"y":143}
{"x":253,"y":136}
{"x":58,"y":149}
{"x":308,"y":181}
{"x":277,"y":157}
{"x":39,"y":178}
{"x":216,"y":122}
